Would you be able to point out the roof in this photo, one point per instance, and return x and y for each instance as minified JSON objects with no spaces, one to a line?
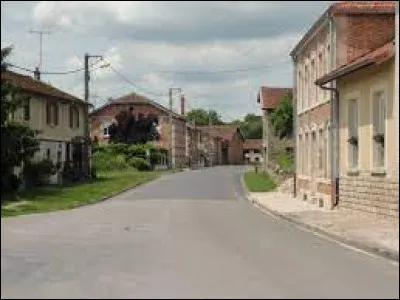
{"x":225,"y":132}
{"x":271,"y":97}
{"x":375,"y":57}
{"x":343,"y":8}
{"x":251,"y":144}
{"x":134,"y":98}
{"x":31,"y":85}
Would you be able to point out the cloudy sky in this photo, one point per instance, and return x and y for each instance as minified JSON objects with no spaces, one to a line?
{"x":219,"y":53}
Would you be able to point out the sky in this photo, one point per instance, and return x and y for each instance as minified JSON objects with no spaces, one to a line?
{"x":219,"y":53}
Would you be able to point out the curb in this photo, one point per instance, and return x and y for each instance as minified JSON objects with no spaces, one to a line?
{"x":379,"y":251}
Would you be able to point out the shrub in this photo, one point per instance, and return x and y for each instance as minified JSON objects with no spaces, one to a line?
{"x":103,"y":161}
{"x":37,"y":173}
{"x":286,"y":162}
{"x":139,"y":163}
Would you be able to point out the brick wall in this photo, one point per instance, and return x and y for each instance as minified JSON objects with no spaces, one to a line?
{"x":317,"y":115}
{"x":179,"y":127}
{"x":370,"y":194}
{"x":360,"y":34}
{"x":235,"y":155}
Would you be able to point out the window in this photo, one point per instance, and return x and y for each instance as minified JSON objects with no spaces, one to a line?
{"x":313,"y":86}
{"x":52,"y":113}
{"x":352,"y":120}
{"x":321,"y":153}
{"x":321,"y":94}
{"x":300,"y":154}
{"x":305,"y":160}
{"x":73,"y":117}
{"x":48,"y":153}
{"x":378,"y":131}
{"x":306,"y":90}
{"x":105,"y":131}
{"x":59,"y":156}
{"x":27,"y":110}
{"x":299,"y":90}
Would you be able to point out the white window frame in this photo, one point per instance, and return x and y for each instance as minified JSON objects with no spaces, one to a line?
{"x":377,"y":88}
{"x":356,"y":97}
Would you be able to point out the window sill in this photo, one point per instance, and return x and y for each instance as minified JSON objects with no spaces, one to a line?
{"x":354,"y":172}
{"x":378,"y":173}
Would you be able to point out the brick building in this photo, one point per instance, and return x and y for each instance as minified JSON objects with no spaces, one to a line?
{"x":346,"y":31}
{"x":104,"y":116}
{"x":368,"y":172}
{"x":228,"y":143}
{"x":269,"y":99}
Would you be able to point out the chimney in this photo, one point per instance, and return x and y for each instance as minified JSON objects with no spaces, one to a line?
{"x":182,"y":105}
{"x":36,"y":74}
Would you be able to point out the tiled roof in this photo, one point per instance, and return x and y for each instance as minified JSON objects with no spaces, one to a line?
{"x":251,"y":144}
{"x":225,"y":132}
{"x":354,"y":7}
{"x":347,"y":7}
{"x":31,"y":85}
{"x":271,"y":97}
{"x":134,"y":98}
{"x":376,"y":56}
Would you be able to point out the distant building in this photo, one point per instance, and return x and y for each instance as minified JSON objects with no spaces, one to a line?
{"x":252,"y":151}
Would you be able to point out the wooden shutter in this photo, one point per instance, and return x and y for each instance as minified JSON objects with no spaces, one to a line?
{"x":71,"y":117}
{"x":48,"y":113}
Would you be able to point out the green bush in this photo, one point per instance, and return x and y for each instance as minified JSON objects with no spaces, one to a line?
{"x":139,"y":164}
{"x":286,"y":162}
{"x":103,"y":161}
{"x":37,"y":173}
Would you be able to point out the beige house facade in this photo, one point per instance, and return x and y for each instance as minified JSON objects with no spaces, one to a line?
{"x":59,"y":117}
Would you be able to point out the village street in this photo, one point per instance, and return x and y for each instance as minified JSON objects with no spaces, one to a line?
{"x":190,"y":234}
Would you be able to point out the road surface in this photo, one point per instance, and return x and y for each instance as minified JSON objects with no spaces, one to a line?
{"x":186,"y":235}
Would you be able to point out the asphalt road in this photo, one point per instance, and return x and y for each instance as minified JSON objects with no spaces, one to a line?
{"x":186,"y":235}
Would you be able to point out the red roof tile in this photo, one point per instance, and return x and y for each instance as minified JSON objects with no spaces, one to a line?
{"x":225,"y":132}
{"x":134,"y":98}
{"x":251,"y":144}
{"x":376,"y":56}
{"x":271,"y":97}
{"x":31,"y":85}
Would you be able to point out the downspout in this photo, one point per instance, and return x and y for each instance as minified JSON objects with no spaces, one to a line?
{"x":334,"y":116}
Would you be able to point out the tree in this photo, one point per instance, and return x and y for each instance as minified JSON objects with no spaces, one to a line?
{"x":251,"y":127}
{"x":282,"y":118}
{"x":18,"y":142}
{"x":203,"y":117}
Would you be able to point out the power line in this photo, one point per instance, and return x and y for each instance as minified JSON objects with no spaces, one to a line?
{"x":122,"y":76}
{"x":54,"y":73}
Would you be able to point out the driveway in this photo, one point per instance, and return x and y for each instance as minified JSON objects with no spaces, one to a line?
{"x":185,"y":235}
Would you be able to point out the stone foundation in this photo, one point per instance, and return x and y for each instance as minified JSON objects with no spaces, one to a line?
{"x":370,"y":194}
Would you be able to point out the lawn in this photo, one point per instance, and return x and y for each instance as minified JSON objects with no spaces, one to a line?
{"x":259,"y":182}
{"x":55,"y":197}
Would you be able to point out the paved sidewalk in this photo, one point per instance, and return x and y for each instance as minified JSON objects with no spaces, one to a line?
{"x":365,"y":231}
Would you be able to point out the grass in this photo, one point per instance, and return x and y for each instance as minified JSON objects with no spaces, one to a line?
{"x":259,"y":182}
{"x":56,"y":197}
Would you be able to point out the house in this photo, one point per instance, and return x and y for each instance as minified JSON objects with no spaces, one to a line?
{"x":269,"y":98}
{"x":104,"y":116}
{"x":368,"y":172}
{"x":346,"y":31}
{"x":228,"y":143}
{"x":252,"y":151}
{"x":60,"y":119}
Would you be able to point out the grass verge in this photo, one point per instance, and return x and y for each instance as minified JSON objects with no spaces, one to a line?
{"x":259,"y":182}
{"x":56,"y":197}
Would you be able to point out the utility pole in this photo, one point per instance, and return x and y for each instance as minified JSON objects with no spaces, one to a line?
{"x":170,"y":142}
{"x":86,"y":156}
{"x":40,"y":33}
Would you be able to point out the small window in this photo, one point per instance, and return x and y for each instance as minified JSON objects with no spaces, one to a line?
{"x":73,"y":117}
{"x":48,"y":153}
{"x":353,"y":134}
{"x":51,"y":113}
{"x":379,"y":132}
{"x":27,"y":110}
{"x":105,"y":131}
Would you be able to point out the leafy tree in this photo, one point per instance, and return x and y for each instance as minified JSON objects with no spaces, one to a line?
{"x":203,"y":117}
{"x":282,"y":118}
{"x":18,"y":142}
{"x":251,"y":127}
